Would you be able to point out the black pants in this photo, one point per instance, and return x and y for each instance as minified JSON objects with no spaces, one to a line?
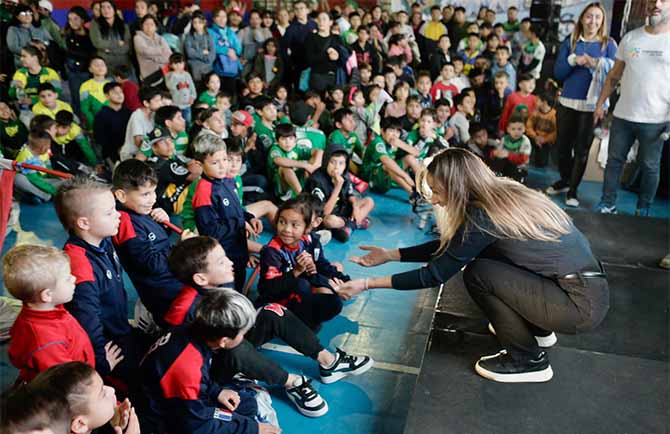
{"x":272,"y":321}
{"x":521,"y":304}
{"x":540,"y":156}
{"x":313,"y":309}
{"x":321,"y":82}
{"x":575,"y":135}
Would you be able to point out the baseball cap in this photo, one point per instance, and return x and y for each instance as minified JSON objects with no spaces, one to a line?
{"x":243,"y":117}
{"x":46,"y":4}
{"x":157,"y":134}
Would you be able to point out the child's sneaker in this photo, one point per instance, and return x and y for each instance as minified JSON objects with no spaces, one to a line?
{"x":345,"y":365}
{"x":603,"y":208}
{"x":307,"y":399}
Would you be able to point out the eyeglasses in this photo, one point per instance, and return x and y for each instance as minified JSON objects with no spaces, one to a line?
{"x":25,"y":14}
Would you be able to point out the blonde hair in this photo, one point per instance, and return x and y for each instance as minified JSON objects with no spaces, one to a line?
{"x":467,"y":184}
{"x":74,"y":199}
{"x":579,"y":28}
{"x":29,"y":269}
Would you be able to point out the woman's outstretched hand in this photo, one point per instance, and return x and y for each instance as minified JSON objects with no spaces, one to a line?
{"x":377,"y":256}
{"x":350,"y":289}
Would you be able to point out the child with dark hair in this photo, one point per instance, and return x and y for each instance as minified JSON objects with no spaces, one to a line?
{"x":523,"y":96}
{"x":72,"y":143}
{"x":48,"y":103}
{"x":541,"y":128}
{"x":268,"y":64}
{"x":91,"y":93}
{"x":122,"y":74}
{"x":343,"y":211}
{"x":512,"y":158}
{"x":479,"y":143}
{"x":290,"y":275}
{"x":141,"y":123}
{"x":425,"y":139}
{"x":344,"y":136}
{"x":212,"y":84}
{"x":110,"y":123}
{"x":31,"y":185}
{"x":13,"y":132}
{"x":180,"y":84}
{"x":285,"y":168}
{"x":142,"y":242}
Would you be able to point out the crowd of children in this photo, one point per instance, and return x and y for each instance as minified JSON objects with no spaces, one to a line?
{"x":224,"y":133}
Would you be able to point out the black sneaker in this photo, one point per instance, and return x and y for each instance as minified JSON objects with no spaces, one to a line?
{"x":307,"y":399}
{"x":345,"y":366}
{"x":503,"y":368}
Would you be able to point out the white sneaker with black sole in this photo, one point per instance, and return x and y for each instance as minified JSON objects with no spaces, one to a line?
{"x":345,"y":365}
{"x":503,"y":368}
{"x":307,"y":399}
{"x":542,"y":341}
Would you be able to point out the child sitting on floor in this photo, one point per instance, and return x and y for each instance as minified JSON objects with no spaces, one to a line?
{"x":343,"y":211}
{"x":285,"y":168}
{"x":291,"y":276}
{"x":512,"y":159}
{"x":44,"y":333}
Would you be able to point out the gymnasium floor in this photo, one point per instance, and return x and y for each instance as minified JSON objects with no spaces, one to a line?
{"x":391,"y":326}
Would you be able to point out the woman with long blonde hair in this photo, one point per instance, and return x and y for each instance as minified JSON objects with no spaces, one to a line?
{"x":529,"y":269}
{"x":585,"y":54}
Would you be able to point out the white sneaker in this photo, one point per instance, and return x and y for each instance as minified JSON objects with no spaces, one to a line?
{"x":307,"y":399}
{"x":542,"y":341}
{"x":572,"y":202}
{"x":665,"y":262}
{"x":554,"y":190}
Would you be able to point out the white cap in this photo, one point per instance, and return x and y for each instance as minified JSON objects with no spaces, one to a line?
{"x":46,"y":4}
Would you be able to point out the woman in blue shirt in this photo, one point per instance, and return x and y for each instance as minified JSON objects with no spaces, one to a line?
{"x":585,"y":54}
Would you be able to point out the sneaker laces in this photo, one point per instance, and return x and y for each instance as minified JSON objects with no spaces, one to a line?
{"x":343,"y":357}
{"x":305,"y":390}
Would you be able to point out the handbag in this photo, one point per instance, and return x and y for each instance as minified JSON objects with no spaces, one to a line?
{"x":227,"y":67}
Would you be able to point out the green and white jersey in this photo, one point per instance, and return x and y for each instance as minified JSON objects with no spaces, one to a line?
{"x":277,"y":152}
{"x":351,"y":143}
{"x":377,"y":148}
{"x":308,"y":139}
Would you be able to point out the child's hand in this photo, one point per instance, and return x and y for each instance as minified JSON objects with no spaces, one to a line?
{"x":338,"y":180}
{"x":186,"y":234}
{"x":159,"y":215}
{"x":133,"y":423}
{"x":257,"y":225}
{"x":113,"y":355}
{"x":266,"y":428}
{"x":350,"y":289}
{"x":253,"y":261}
{"x":229,"y":398}
{"x":539,"y":141}
{"x":335,"y":282}
{"x":306,"y":260}
{"x":251,"y":143}
{"x":121,"y":415}
{"x":3,"y":77}
{"x":251,"y":233}
{"x":232,"y":54}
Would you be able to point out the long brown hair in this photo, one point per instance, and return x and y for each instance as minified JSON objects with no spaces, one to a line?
{"x":579,"y":29}
{"x":517,"y":212}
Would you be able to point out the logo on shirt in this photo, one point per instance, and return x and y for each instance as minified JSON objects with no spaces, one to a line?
{"x":152,"y":236}
{"x":634,"y":52}
{"x":108,"y":274}
{"x":272,"y":273}
{"x":178,"y":169}
{"x":223,"y":415}
{"x":278,"y":309}
{"x":226,"y":202}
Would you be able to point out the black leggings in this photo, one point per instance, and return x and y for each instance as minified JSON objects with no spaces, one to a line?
{"x":272,"y":321}
{"x":521,"y":304}
{"x":313,"y":309}
{"x":575,"y":135}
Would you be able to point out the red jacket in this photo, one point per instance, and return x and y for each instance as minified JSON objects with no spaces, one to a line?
{"x":514,"y":100}
{"x":43,"y":338}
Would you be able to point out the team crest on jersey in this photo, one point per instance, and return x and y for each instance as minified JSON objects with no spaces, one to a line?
{"x":380,"y":148}
{"x":109,"y":274}
{"x":178,"y":169}
{"x":226,"y":202}
{"x":276,"y":308}
{"x":152,"y":236}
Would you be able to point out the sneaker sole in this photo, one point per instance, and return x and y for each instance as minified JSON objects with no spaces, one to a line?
{"x":310,"y":413}
{"x":559,"y":191}
{"x":542,"y":341}
{"x":526,"y":377}
{"x":340,"y":375}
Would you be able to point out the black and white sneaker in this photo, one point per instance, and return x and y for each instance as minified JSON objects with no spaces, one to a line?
{"x":503,"y":368}
{"x":547,"y":341}
{"x":307,"y":399}
{"x":345,"y":365}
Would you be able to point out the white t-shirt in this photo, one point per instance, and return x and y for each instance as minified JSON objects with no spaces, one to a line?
{"x":645,"y":84}
{"x":138,"y":125}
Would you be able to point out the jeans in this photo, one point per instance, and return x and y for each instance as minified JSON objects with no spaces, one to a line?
{"x":521,"y":304}
{"x":622,"y":136}
{"x":575,"y":136}
{"x":272,"y":321}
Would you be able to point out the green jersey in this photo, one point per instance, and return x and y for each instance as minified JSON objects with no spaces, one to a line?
{"x":351,"y":143}
{"x":277,"y":152}
{"x":265,"y":134}
{"x":207,"y":98}
{"x":308,"y":139}
{"x":238,"y":187}
{"x":377,"y":148}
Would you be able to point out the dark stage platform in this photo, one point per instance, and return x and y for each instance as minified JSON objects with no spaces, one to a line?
{"x":615,"y":379}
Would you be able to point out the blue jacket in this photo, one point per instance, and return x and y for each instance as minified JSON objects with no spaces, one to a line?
{"x":143,"y":246}
{"x":294,"y":40}
{"x":219,"y":214}
{"x":577,"y":79}
{"x":182,"y":309}
{"x":100,"y":302}
{"x":224,"y":39}
{"x":181,"y":393}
